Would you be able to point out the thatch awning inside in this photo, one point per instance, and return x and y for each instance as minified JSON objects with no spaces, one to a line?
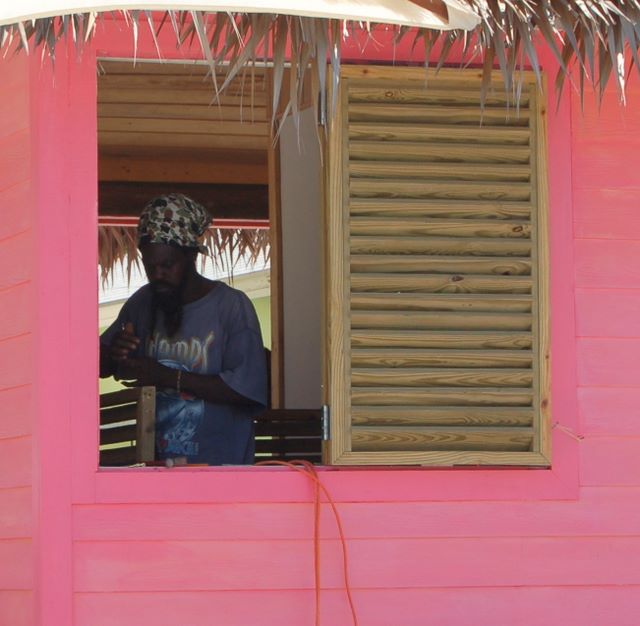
{"x":227,"y":242}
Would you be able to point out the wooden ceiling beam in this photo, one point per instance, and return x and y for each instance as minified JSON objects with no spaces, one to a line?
{"x":171,"y":111}
{"x":158,"y":82}
{"x":122,"y":140}
{"x":194,"y":169}
{"x":222,"y":201}
{"x":203,"y":97}
{"x":187,"y":126}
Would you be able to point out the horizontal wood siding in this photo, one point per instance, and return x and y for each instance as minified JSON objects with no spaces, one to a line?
{"x":15,"y":513}
{"x":609,"y":411}
{"x":456,"y":606}
{"x":589,"y":516}
{"x":606,"y":186}
{"x":16,"y":348}
{"x":240,"y":562}
{"x":382,"y":563}
{"x":16,"y":608}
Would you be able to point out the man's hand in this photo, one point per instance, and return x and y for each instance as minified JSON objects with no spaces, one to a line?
{"x":123,"y":343}
{"x":145,"y":372}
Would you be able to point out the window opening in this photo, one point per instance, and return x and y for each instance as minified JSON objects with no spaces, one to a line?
{"x":158,"y":134}
{"x":432,"y":272}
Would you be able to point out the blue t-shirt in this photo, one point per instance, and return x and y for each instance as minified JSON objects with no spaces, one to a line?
{"x":219,"y":335}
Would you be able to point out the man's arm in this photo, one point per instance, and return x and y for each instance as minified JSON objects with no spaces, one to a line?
{"x":147,"y":371}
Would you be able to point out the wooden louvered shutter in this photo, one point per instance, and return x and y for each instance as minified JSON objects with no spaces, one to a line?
{"x":436,"y":272}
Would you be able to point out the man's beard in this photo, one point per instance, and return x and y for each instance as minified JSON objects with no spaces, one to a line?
{"x":168,"y":300}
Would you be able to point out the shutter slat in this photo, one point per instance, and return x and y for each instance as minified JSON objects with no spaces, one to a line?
{"x":442,"y":416}
{"x":437,"y":189}
{"x":440,"y":133}
{"x":409,"y":263}
{"x":437,"y":321}
{"x":433,"y":377}
{"x":420,"y":357}
{"x":463,"y":340}
{"x":427,"y":438}
{"x":441,"y":302}
{"x":439,"y":283}
{"x":436,"y":152}
{"x":440,"y":227}
{"x":499,"y":396}
{"x":441,"y":171}
{"x":399,"y":208}
{"x":441,"y":245}
{"x":391,"y":75}
{"x":434,"y":114}
{"x":407,"y":93}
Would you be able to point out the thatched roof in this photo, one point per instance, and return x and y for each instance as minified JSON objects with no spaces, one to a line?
{"x":594,"y":42}
{"x":117,"y":245}
{"x":597,"y":41}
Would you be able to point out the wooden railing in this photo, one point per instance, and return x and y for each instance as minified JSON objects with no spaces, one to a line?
{"x":127,"y":426}
{"x":286,"y":434}
{"x":127,"y":433}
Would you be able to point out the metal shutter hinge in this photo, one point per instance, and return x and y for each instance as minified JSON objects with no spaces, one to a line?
{"x":326,"y":422}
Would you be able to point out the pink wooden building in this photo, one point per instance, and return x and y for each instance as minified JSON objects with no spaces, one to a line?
{"x":555,"y":542}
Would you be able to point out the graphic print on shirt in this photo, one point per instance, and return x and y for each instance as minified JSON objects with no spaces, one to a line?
{"x":193,"y":353}
{"x":178,"y":416}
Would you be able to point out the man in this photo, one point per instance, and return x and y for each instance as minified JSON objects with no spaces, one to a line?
{"x":196,"y":340}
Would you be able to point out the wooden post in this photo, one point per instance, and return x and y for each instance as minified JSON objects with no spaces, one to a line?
{"x":275,"y":231}
{"x":146,"y":425}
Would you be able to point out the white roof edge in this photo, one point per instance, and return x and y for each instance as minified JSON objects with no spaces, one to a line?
{"x":398,"y":12}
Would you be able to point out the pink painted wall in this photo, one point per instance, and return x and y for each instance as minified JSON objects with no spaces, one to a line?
{"x":606,"y":184}
{"x":233,"y":546}
{"x":17,"y":570}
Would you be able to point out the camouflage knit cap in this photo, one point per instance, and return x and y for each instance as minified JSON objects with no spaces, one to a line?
{"x":174,"y":219}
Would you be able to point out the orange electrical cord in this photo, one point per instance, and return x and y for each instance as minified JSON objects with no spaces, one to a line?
{"x":307,"y":468}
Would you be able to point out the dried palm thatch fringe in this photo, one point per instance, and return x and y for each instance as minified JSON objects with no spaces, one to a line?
{"x":594,"y":40}
{"x":117,"y":245}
